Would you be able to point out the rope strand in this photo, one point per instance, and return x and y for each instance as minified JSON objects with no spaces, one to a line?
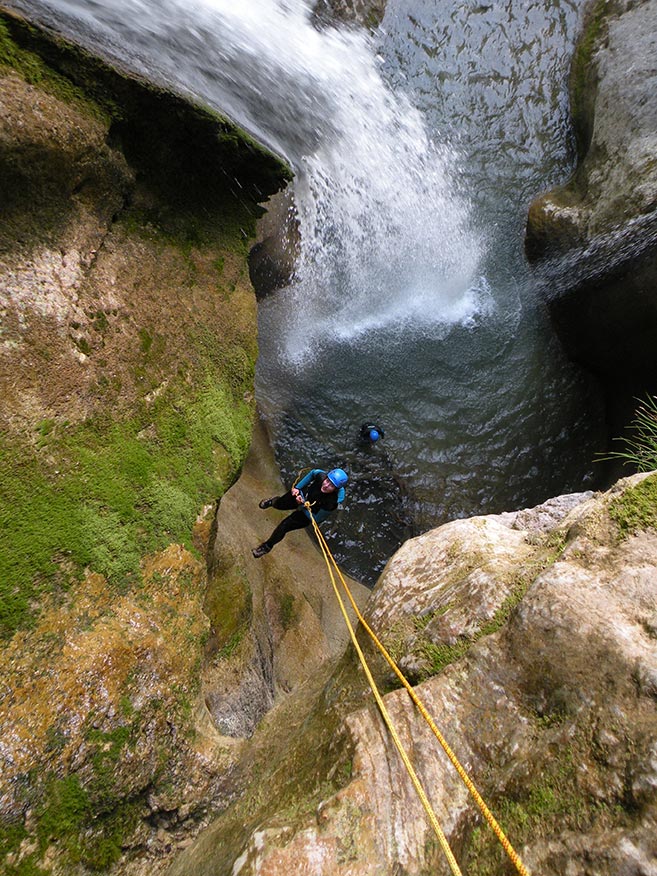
{"x":488,"y":815}
{"x":442,"y":839}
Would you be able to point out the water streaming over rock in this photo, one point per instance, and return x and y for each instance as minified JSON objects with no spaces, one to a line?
{"x":415,"y":153}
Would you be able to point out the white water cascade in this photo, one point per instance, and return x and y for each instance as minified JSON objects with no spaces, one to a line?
{"x":370,"y":183}
{"x":415,"y":152}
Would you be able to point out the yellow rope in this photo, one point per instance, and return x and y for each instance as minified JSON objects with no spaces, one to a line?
{"x":488,"y":815}
{"x":442,"y":839}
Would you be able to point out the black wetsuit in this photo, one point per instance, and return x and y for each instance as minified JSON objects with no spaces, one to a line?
{"x":322,"y":505}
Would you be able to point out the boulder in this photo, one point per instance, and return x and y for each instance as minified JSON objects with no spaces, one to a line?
{"x":535,"y":651}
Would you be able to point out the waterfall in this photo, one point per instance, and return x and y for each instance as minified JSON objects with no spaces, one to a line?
{"x":415,"y":153}
{"x":385,"y":236}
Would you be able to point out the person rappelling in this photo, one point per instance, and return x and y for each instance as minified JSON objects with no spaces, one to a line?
{"x":322,"y":490}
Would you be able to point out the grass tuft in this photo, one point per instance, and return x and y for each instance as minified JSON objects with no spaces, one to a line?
{"x":640,"y":446}
{"x":636,"y":508}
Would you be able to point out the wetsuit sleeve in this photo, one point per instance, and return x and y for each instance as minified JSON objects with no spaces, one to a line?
{"x":341,"y":495}
{"x":306,"y":479}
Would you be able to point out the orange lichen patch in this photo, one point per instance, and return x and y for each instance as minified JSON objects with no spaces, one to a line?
{"x":98,"y":663}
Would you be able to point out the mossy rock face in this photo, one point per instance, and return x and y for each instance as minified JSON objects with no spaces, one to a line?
{"x":549,"y":706}
{"x":101,"y":718}
{"x":127,"y":358}
{"x":128,"y":319}
{"x":191,"y":153}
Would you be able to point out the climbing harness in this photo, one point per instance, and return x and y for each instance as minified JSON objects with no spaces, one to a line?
{"x":331,"y":564}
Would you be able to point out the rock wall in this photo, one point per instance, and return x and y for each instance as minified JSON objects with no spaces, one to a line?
{"x":595,"y":239}
{"x":365,"y":13}
{"x":133,"y":685}
{"x":532,"y":640}
{"x":127,"y":353}
{"x":274,"y":621}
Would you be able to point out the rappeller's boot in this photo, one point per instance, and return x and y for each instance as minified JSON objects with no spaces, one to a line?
{"x":266,"y":503}
{"x":261,"y":550}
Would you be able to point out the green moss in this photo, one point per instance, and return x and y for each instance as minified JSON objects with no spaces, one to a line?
{"x":549,"y":804}
{"x":229,"y":606}
{"x":33,"y":70}
{"x":11,"y":836}
{"x":146,"y":341}
{"x":503,"y":613}
{"x":103,"y":844}
{"x":636,"y":508}
{"x":231,"y":227}
{"x":86,"y":832}
{"x":83,"y":345}
{"x":109,"y":745}
{"x":111,"y":496}
{"x":99,"y":321}
{"x":438,"y":656}
{"x":28,"y":866}
{"x":63,"y":814}
{"x":287,"y":611}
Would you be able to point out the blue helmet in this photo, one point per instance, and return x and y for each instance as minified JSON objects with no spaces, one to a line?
{"x":338,"y":477}
{"x":374,"y":435}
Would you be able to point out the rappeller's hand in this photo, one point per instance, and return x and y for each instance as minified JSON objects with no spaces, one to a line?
{"x":297,"y":495}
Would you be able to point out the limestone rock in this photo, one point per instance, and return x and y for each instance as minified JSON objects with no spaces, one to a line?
{"x":127,"y":339}
{"x":273,"y":257}
{"x":616,"y":115}
{"x":274,"y":620}
{"x":549,"y":707}
{"x":596,"y":236}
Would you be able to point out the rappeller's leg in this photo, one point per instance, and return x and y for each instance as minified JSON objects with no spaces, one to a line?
{"x":297,"y":520}
{"x":286,"y":502}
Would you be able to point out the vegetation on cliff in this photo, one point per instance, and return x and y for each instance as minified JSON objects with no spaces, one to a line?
{"x":127,"y":357}
{"x":164,"y":432}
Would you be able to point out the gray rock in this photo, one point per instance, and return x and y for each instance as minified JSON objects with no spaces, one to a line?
{"x":539,"y":703}
{"x":598,"y":233}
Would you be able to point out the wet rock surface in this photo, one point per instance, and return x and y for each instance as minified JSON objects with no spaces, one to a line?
{"x":142,"y":693}
{"x":597,"y":236}
{"x":127,"y":345}
{"x":366,"y":13}
{"x":275,"y":620}
{"x":543,"y":689}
